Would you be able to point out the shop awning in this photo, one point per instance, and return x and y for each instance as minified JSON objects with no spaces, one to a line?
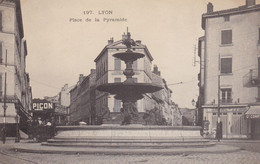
{"x":253,"y":112}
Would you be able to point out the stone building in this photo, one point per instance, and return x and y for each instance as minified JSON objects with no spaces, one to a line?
{"x":230,"y":49}
{"x":162,"y":100}
{"x":13,"y":52}
{"x":62,"y":104}
{"x":82,"y":100}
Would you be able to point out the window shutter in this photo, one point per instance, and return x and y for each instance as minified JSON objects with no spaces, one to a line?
{"x":226,"y":37}
{"x":117,"y":105}
{"x":135,"y":65}
{"x":117,"y":80}
{"x":258,"y":35}
{"x":1,"y":21}
{"x":1,"y":85}
{"x":226,"y":65}
{"x":1,"y":53}
{"x":117,"y":64}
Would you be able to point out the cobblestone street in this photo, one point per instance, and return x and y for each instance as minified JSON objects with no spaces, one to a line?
{"x":240,"y":157}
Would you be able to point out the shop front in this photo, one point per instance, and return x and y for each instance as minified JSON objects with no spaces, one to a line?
{"x":42,"y":110}
{"x":234,"y":122}
{"x":253,"y":115}
{"x":15,"y":118}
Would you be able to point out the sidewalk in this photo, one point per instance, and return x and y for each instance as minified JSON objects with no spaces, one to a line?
{"x":236,"y":141}
{"x":29,"y":147}
{"x":47,"y":155}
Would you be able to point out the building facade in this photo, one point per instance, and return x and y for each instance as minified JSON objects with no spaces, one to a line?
{"x":82,"y":100}
{"x":62,"y":104}
{"x":110,"y":70}
{"x":162,"y":100}
{"x":230,"y":51}
{"x":13,"y":52}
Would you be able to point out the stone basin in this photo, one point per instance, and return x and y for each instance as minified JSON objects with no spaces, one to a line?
{"x":133,"y":132}
{"x":128,"y":56}
{"x":129,"y":90}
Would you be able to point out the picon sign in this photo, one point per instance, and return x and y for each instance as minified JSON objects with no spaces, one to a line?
{"x":40,"y":105}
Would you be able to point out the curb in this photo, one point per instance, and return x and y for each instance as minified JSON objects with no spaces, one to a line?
{"x":214,"y":150}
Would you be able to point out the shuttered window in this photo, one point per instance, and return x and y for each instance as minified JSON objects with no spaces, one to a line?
{"x":117,"y":80}
{"x":259,"y":36}
{"x":117,"y":103}
{"x":117,"y":64}
{"x":226,"y":37}
{"x":1,"y":53}
{"x":226,"y":95}
{"x":1,"y":21}
{"x":226,"y":65}
{"x":135,"y":65}
{"x":1,"y":85}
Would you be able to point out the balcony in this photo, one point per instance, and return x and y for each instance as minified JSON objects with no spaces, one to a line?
{"x":251,"y":79}
{"x":226,"y":101}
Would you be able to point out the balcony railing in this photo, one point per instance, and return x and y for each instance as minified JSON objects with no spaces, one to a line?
{"x":226,"y":101}
{"x":251,"y":79}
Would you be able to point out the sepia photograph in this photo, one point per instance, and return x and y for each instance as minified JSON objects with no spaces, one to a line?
{"x":133,"y":81}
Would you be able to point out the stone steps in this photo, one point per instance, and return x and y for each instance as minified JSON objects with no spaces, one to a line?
{"x":124,"y":142}
{"x":38,"y":148}
{"x":129,"y":145}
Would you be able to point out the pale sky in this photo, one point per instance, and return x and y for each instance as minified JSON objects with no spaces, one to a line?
{"x":59,"y":50}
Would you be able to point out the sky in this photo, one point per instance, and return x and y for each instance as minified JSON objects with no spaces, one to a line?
{"x":60,"y":47}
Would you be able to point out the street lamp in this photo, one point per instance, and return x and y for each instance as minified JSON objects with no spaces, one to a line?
{"x":195,"y":112}
{"x":193,"y":102}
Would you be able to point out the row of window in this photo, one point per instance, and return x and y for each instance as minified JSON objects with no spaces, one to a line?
{"x":102,"y":68}
{"x":226,"y":36}
{"x":118,"y":80}
{"x":117,"y":65}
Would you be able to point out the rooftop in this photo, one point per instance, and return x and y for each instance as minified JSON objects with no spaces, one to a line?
{"x":232,"y":11}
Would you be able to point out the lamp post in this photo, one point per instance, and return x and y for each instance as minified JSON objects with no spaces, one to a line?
{"x":195,"y":113}
{"x":5,"y":106}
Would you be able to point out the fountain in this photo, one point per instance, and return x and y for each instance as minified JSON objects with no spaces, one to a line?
{"x":129,"y":91}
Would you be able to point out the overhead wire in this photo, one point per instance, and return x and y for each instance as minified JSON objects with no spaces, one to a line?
{"x":47,"y":85}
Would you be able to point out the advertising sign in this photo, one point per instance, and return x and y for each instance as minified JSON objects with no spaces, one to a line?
{"x":40,"y":105}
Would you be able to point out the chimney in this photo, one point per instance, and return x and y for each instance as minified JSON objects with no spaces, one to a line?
{"x":138,"y":41}
{"x":156,"y":71}
{"x":81,"y":76}
{"x":111,"y":40}
{"x":250,"y":3}
{"x":124,"y":36}
{"x":210,"y":8}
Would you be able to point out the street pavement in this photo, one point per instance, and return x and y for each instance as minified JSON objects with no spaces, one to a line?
{"x":250,"y":154}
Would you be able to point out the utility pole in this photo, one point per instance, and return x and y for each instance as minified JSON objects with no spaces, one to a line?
{"x":218,"y":122}
{"x":5,"y":106}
